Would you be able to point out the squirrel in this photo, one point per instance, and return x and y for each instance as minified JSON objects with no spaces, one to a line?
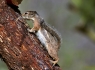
{"x":47,"y":36}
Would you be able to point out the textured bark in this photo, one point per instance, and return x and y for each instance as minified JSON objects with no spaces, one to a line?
{"x":19,"y":49}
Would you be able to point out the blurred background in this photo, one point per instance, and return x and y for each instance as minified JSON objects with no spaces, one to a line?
{"x":75,"y":22}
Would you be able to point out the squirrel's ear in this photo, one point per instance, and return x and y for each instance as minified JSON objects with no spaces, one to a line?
{"x":35,"y":12}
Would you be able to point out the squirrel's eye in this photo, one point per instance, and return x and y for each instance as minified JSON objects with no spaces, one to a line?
{"x":25,"y":13}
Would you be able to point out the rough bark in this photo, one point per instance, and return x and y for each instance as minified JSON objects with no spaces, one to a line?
{"x":19,"y":49}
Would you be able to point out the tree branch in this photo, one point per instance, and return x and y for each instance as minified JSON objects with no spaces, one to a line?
{"x":19,"y":49}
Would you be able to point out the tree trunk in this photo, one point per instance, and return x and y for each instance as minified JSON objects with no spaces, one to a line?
{"x":19,"y":49}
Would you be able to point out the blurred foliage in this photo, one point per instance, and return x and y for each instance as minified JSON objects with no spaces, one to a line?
{"x":3,"y":65}
{"x":86,"y":8}
{"x":89,"y":68}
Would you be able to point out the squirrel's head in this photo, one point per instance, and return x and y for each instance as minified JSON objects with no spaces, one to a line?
{"x":30,"y":15}
{"x":34,"y":16}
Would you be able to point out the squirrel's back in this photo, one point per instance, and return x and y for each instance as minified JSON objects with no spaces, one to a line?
{"x":52,"y":32}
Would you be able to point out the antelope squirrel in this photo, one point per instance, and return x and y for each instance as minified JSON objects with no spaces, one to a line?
{"x":48,"y":37}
